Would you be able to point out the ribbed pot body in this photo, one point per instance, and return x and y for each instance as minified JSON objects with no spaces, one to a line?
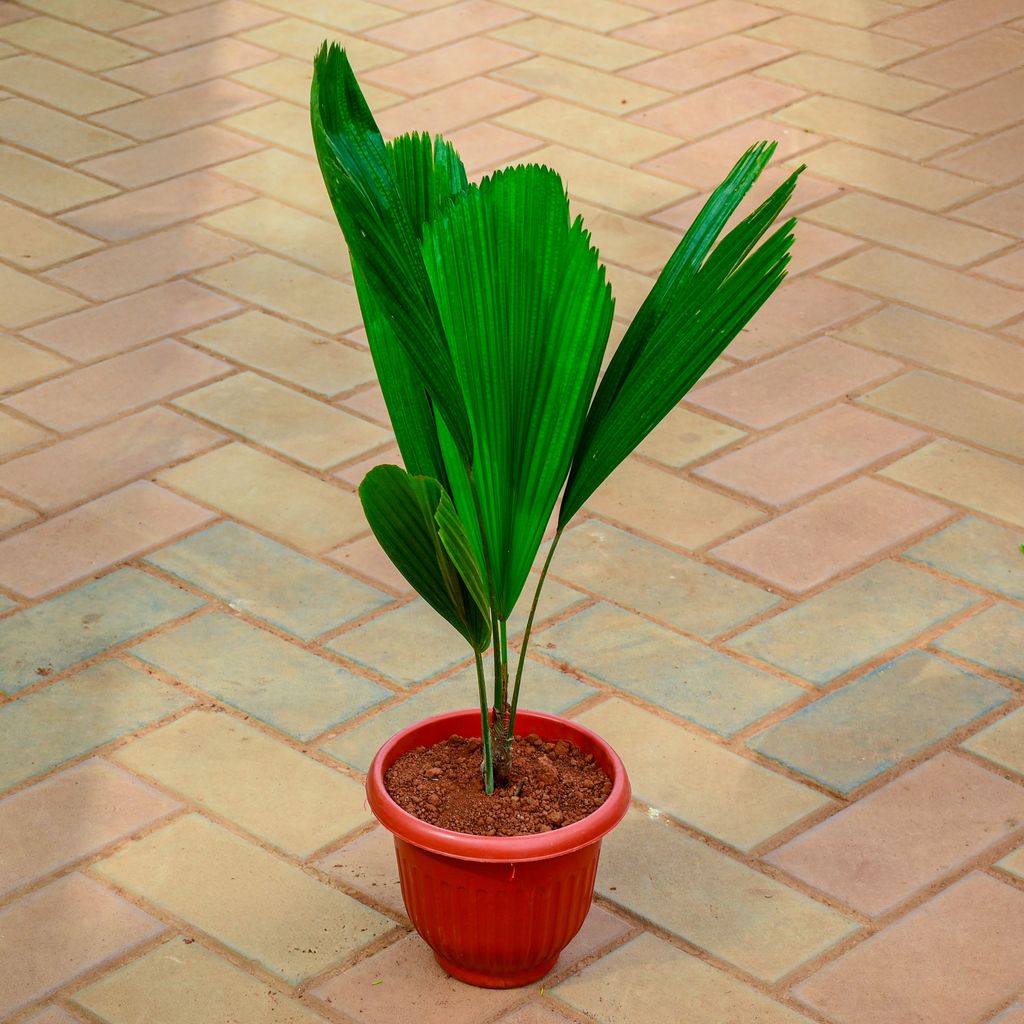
{"x":497,"y":911}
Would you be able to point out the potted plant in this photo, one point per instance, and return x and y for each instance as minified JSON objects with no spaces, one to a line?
{"x":488,"y":313}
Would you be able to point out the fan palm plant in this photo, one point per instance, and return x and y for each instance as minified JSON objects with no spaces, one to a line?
{"x":488,"y":312}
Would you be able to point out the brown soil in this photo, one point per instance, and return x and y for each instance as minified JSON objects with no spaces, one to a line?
{"x":553,"y":785}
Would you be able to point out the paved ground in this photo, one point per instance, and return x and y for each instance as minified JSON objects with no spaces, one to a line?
{"x":798,"y":612}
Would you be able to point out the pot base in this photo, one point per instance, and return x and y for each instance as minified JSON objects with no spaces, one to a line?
{"x":482,"y":979}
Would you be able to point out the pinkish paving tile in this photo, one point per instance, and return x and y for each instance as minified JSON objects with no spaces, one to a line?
{"x":1000,"y":211}
{"x":165,"y":158}
{"x":695,"y":25}
{"x":484,"y":145}
{"x":706,"y":63}
{"x":52,"y":936}
{"x":367,"y":560}
{"x":907,"y":835}
{"x":796,"y":381}
{"x":206,"y":22}
{"x":118,"y":385}
{"x":831,"y":534}
{"x":994,"y":159}
{"x":433,"y":28}
{"x":95,"y":536}
{"x":158,"y":206}
{"x":72,"y":815}
{"x":121,"y":324}
{"x":815,"y":246}
{"x":915,"y":970}
{"x":121,"y":269}
{"x":368,"y":865}
{"x":966,"y":62}
{"x":99,"y":460}
{"x":445,"y":65}
{"x":982,"y":108}
{"x":799,"y":459}
{"x":195,"y":64}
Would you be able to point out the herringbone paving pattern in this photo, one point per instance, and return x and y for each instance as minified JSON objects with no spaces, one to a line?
{"x":798,"y":611}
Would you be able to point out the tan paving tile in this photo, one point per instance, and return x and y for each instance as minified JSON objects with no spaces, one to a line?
{"x":245,"y":777}
{"x":684,"y":436}
{"x":966,"y":62}
{"x":902,"y":227}
{"x":12,"y":515}
{"x":434,"y":28}
{"x":484,"y":145}
{"x":53,"y":134}
{"x":965,"y":476}
{"x":279,"y":123}
{"x":840,"y":41}
{"x":737,"y":914}
{"x":181,"y":982}
{"x":60,"y":86}
{"x":22,"y":364}
{"x":706,"y":63}
{"x":1001,"y":211}
{"x":54,"y":935}
{"x":590,"y":48}
{"x":697,"y":24}
{"x":289,"y":79}
{"x":890,"y":176}
{"x":648,"y":979}
{"x":165,"y":158}
{"x":368,"y":865}
{"x":298,"y":38}
{"x":52,"y":1015}
{"x":917,"y":283}
{"x":117,"y":385}
{"x":35,"y":242}
{"x":103,"y":459}
{"x":24,"y":299}
{"x":70,"y":44}
{"x":190,"y":27}
{"x":447,"y":64}
{"x":72,"y":815}
{"x":16,"y":435}
{"x":45,"y":186}
{"x":994,"y":159}
{"x":945,"y":22}
{"x":1002,"y":743}
{"x":601,"y":15}
{"x":831,"y":534}
{"x":952,"y":407}
{"x":852,"y":81}
{"x":146,"y":261}
{"x":356,"y":15}
{"x":1008,"y":269}
{"x":285,"y":176}
{"x":981,"y":108}
{"x":452,"y":107}
{"x":258,"y":905}
{"x":668,"y":507}
{"x":796,"y":381}
{"x":909,"y":969}
{"x":862,"y":15}
{"x":103,"y":15}
{"x":95,"y":536}
{"x":270,"y":495}
{"x":368,"y":560}
{"x":625,"y":240}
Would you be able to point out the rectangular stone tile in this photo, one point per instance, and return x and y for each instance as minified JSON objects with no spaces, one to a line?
{"x":830,"y":534}
{"x":952,"y":407}
{"x":102,"y":15}
{"x":735,"y":913}
{"x":281,"y":286}
{"x":803,"y":457}
{"x":1001,"y":211}
{"x":12,"y":515}
{"x":299,"y":38}
{"x":22,"y":364}
{"x":945,"y":22}
{"x":289,"y":79}
{"x":94,"y":536}
{"x":994,"y":159}
{"x":72,"y":815}
{"x":59,"y":633}
{"x":793,"y":382}
{"x":852,"y":81}
{"x":16,"y":435}
{"x":244,"y":776}
{"x":52,"y":1015}
{"x":271,"y":496}
{"x":189,"y":27}
{"x":367,"y":560}
{"x":112,"y":327}
{"x":1002,"y":743}
{"x":181,"y":982}
{"x":61,"y":87}
{"x":856,"y":620}
{"x":45,"y":186}
{"x":841,"y":41}
{"x":590,"y":48}
{"x":543,"y":689}
{"x":654,"y":581}
{"x":287,"y":351}
{"x":684,"y":436}
{"x":890,"y":176}
{"x":367,"y":864}
{"x":279,"y":123}
{"x":70,"y":44}
{"x":706,"y":63}
{"x":125,"y":268}
{"x":682,"y":29}
{"x":601,"y":15}
{"x":650,"y":980}
{"x":963,"y":475}
{"x":254,"y":671}
{"x":912,"y":281}
{"x":905,"y":836}
{"x":105,"y":458}
{"x":34,"y":242}
{"x":168,"y":157}
{"x":995,"y":639}
{"x":256,"y":904}
{"x":968,"y":61}
{"x":904,"y":228}
{"x":848,"y":737}
{"x":77,"y":715}
{"x":671,"y":508}
{"x":1008,"y":269}
{"x":684,"y":775}
{"x":982,"y":108}
{"x":53,"y":134}
{"x":118,"y":385}
{"x":633,"y":243}
{"x":909,"y":971}
{"x":949,"y":348}
{"x":977,"y":551}
{"x":189,"y":66}
{"x":260,"y":577}
{"x":52,"y":936}
{"x":433,"y":28}
{"x":311,"y":432}
{"x":24,"y":299}
{"x":671,"y":671}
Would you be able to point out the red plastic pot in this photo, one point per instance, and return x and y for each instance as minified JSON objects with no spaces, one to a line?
{"x":497,"y":911}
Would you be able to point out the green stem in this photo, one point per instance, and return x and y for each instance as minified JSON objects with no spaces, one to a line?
{"x":485,"y":725}
{"x":529,"y":630}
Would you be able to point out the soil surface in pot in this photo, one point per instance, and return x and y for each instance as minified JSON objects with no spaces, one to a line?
{"x":553,"y":785}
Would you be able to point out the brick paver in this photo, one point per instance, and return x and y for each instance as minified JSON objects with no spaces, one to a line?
{"x":798,"y":610}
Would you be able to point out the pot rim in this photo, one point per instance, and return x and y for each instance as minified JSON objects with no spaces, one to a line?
{"x":496,"y":849}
